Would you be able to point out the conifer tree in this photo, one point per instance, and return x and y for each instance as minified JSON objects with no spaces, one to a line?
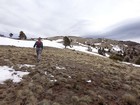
{"x":22,"y":35}
{"x":11,"y":35}
{"x":66,"y":41}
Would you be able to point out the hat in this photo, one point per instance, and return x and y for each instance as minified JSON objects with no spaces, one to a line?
{"x":39,"y":38}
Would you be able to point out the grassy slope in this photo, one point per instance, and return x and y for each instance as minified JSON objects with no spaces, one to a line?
{"x":112,"y":83}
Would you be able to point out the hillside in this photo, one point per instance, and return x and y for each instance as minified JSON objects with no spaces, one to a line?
{"x":127,"y":51}
{"x":66,"y":77}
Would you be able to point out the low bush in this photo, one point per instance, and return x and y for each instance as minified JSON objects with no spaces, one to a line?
{"x":127,"y":59}
{"x":137,"y":61}
{"x":129,"y":99}
{"x":116,"y":57}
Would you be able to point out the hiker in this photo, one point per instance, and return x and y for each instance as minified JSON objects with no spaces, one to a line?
{"x":39,"y":47}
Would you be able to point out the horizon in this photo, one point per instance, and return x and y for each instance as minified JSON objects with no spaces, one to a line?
{"x":88,"y":37}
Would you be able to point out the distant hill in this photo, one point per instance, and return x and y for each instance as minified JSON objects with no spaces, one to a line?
{"x":127,"y":51}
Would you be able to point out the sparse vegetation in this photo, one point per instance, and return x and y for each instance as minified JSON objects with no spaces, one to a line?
{"x":101,"y":51}
{"x":116,"y":57}
{"x":89,"y":49}
{"x":126,"y":59}
{"x":138,"y":61}
{"x":48,"y":85}
{"x":129,"y":99}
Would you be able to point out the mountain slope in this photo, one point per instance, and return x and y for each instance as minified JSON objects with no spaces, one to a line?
{"x":66,"y":77}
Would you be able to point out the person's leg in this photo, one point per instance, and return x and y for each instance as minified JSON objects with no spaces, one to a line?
{"x":39,"y":54}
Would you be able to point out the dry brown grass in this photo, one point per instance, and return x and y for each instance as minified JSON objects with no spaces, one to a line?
{"x":110,"y":80}
{"x":129,"y":99}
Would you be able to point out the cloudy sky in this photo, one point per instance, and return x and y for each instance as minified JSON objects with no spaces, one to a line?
{"x":68,"y":17}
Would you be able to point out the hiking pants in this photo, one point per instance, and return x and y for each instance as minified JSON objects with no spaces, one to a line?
{"x":38,"y":52}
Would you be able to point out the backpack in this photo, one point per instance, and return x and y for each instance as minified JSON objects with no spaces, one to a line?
{"x":38,"y":44}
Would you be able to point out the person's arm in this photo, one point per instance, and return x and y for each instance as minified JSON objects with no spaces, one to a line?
{"x":42,"y":45}
{"x":34,"y":44}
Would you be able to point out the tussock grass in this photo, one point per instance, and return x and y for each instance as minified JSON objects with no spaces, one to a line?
{"x":110,"y":80}
{"x":129,"y":99}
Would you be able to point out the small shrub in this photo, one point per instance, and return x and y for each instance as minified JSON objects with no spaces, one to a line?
{"x":126,"y":87}
{"x":89,"y":49}
{"x":44,"y":102}
{"x":82,"y":103}
{"x":91,"y":93}
{"x":93,"y":45}
{"x":36,"y":76}
{"x":75,"y":99}
{"x":126,"y":59}
{"x":31,"y":86}
{"x":131,"y":56}
{"x":16,"y":67}
{"x":8,"y":81}
{"x":55,"y":103}
{"x":116,"y":57}
{"x":39,"y":89}
{"x":86,"y":99}
{"x":138,"y":61}
{"x":129,"y":99}
{"x":49,"y":92}
{"x":100,"y":100}
{"x":32,"y":100}
{"x":101,"y":51}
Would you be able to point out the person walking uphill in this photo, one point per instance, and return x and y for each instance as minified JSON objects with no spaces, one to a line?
{"x":39,"y":47}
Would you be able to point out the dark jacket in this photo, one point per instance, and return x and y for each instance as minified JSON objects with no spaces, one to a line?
{"x":38,"y":44}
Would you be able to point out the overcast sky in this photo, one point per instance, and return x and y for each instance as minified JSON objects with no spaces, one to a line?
{"x":65,"y":17}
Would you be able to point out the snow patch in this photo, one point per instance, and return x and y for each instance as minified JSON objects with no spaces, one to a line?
{"x":50,"y":75}
{"x":97,"y":44}
{"x":58,"y":40}
{"x":125,"y":45}
{"x":107,"y":55}
{"x":135,"y":65}
{"x":89,"y":81}
{"x":45,"y":72}
{"x":9,"y":73}
{"x":53,"y":80}
{"x":57,"y":67}
{"x":82,"y":44}
{"x":69,"y":76}
{"x":25,"y":65}
{"x":116,"y":48}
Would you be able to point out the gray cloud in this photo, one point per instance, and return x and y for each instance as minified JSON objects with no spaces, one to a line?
{"x":124,"y":31}
{"x":59,"y":17}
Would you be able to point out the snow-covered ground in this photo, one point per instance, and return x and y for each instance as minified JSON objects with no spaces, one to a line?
{"x":116,"y":48}
{"x":25,"y":43}
{"x":131,"y":64}
{"x":97,"y":44}
{"x":55,"y":43}
{"x":9,"y":73}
